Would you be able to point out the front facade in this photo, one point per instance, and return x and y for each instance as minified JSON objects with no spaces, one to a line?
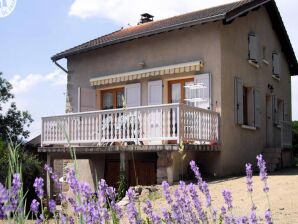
{"x":220,"y":87}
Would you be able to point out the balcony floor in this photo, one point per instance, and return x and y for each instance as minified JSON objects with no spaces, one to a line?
{"x":129,"y":148}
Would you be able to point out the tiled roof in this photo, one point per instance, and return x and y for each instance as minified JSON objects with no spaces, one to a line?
{"x":226,"y":12}
{"x":205,"y":15}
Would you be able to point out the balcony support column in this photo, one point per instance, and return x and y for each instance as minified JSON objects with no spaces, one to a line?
{"x":164,"y":167}
{"x":48,"y":183}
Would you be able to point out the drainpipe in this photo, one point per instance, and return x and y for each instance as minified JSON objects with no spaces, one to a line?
{"x":61,"y":67}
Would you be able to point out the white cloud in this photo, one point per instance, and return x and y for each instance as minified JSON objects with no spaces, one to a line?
{"x":24,"y":84}
{"x":128,"y":11}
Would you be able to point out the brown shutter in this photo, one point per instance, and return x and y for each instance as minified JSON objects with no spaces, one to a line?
{"x":238,"y":101}
{"x":87,"y":99}
{"x":257,"y":108}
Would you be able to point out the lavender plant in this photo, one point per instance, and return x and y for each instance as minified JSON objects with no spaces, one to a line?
{"x":190,"y":203}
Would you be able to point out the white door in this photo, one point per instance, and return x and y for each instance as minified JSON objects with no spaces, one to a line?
{"x":133,"y":95}
{"x":155,"y":116}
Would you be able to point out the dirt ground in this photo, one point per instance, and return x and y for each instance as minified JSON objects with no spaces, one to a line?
{"x":283,"y":195}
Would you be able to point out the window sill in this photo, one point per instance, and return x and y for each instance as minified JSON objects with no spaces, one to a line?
{"x":253,"y":63}
{"x":276,"y":77}
{"x":265,"y":62}
{"x":278,"y":126}
{"x":251,"y":128}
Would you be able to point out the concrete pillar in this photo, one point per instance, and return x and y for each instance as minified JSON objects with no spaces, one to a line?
{"x":164,"y":167}
{"x":122,"y":162}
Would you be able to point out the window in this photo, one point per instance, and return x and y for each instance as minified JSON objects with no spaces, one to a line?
{"x":112,"y":98}
{"x":252,"y":48}
{"x":247,"y":105}
{"x":177,"y":91}
{"x":276,"y":64}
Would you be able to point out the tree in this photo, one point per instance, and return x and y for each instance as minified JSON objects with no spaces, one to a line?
{"x":13,"y":122}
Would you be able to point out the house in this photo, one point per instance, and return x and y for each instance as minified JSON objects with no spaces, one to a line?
{"x":217,"y":80}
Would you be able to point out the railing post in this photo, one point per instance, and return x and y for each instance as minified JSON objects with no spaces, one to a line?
{"x":99,"y":129}
{"x":178,"y":123}
{"x":137,"y":127}
{"x":69,"y":129}
{"x":42,"y":130}
{"x":218,"y":128}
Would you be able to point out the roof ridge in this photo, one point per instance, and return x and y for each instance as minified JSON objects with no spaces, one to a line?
{"x":187,"y":13}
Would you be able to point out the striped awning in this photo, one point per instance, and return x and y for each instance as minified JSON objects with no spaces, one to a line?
{"x":144,"y":73}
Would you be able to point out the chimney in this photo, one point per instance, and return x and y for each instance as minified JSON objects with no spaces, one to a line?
{"x":146,"y":18}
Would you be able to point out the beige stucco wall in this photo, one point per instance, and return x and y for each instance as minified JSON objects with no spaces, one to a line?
{"x":239,"y":145}
{"x":190,"y":44}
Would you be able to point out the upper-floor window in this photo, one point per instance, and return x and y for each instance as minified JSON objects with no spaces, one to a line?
{"x":276,"y":64}
{"x":252,"y":48}
{"x":112,"y":98}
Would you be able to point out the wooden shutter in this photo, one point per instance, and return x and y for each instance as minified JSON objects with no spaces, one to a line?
{"x":155,"y":92}
{"x":275,"y":110}
{"x":276,"y":64}
{"x":238,"y":101}
{"x":257,"y":108}
{"x":286,"y":111}
{"x":252,"y":47}
{"x":203,"y":93}
{"x":133,"y":95}
{"x":87,"y":99}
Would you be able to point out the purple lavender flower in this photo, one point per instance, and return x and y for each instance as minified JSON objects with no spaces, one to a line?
{"x":263,"y":172}
{"x":38,"y":185}
{"x":52,"y":206}
{"x":85,"y":189}
{"x":249,"y":177}
{"x":253,"y":216}
{"x":205,"y":190}
{"x":131,"y":209}
{"x":16,"y":182}
{"x":166,"y":216}
{"x":148,"y":210}
{"x":268,"y":218}
{"x":196,"y":171}
{"x":166,"y":192}
{"x":48,"y":168}
{"x":197,"y":203}
{"x":228,"y":198}
{"x":242,"y":220}
{"x":34,"y":207}
{"x":72,"y":180}
{"x":3,"y":194}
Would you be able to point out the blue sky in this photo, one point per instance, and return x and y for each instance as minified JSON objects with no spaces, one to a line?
{"x":36,"y":30}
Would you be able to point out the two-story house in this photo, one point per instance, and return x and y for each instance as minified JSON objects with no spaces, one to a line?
{"x":217,"y":80}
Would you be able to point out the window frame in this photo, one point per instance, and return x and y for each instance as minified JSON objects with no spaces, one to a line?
{"x":114,"y":91}
{"x":182,"y":83}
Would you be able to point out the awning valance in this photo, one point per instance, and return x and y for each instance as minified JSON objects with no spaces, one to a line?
{"x":143,"y":73}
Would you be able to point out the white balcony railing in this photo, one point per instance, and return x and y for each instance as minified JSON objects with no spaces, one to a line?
{"x":145,"y":124}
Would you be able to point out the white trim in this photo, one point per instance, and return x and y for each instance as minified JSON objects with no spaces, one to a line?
{"x":248,"y":127}
{"x":138,"y":74}
{"x":254,"y":64}
{"x":276,"y":77}
{"x":265,"y":61}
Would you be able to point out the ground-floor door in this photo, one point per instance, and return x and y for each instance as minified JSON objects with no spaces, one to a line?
{"x":141,"y":172}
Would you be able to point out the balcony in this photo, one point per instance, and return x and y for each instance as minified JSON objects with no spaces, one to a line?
{"x":145,"y":125}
